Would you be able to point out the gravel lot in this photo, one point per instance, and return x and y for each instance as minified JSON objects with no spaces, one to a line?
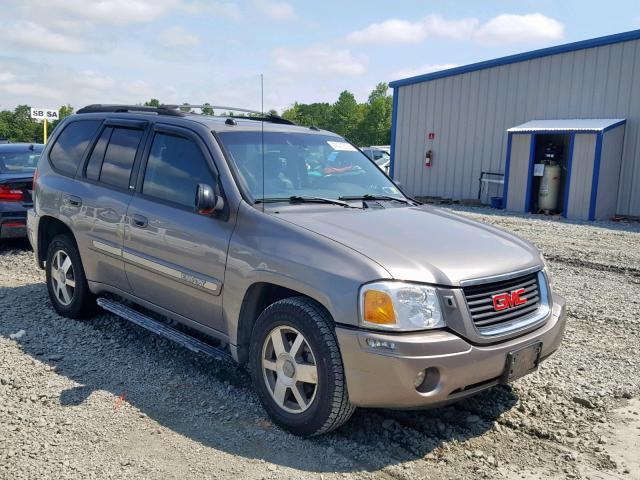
{"x":104,"y":398}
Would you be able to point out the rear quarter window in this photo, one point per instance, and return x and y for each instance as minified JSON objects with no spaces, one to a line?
{"x":120,"y":156}
{"x":68,"y":149}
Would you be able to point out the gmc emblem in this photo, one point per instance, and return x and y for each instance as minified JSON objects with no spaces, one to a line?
{"x":502,"y":301}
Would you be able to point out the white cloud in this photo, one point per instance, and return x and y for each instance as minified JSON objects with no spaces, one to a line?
{"x":30,"y":35}
{"x":412,"y":72}
{"x":318,"y":60}
{"x":112,"y":12}
{"x":222,"y":9}
{"x":405,"y":31}
{"x":505,"y":28}
{"x":276,"y":10}
{"x":179,"y":37}
{"x":532,"y":28}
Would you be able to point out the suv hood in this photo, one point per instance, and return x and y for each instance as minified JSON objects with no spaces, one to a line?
{"x":421,"y":244}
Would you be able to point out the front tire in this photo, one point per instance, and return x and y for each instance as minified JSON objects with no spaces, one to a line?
{"x":66,"y":281}
{"x":297,"y":368}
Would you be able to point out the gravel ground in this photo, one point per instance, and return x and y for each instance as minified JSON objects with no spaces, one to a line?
{"x":105,"y":399}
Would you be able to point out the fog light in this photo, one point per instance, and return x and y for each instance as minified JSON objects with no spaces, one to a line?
{"x":380,"y":344}
{"x":419,"y":379}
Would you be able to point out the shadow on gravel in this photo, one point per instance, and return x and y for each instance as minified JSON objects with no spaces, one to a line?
{"x":9,"y":245}
{"x":213,"y":404}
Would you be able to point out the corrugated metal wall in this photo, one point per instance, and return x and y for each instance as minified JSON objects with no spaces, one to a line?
{"x":470,"y":113}
{"x":609,"y":173}
{"x":584,"y":147}
{"x":519,"y":171}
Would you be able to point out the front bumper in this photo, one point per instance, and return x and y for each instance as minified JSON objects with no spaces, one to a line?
{"x":458,"y":369}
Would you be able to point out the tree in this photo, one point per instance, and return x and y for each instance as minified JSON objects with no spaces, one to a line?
{"x":206,"y":109}
{"x":64,"y":111}
{"x":345,"y":116}
{"x":379,"y":92}
{"x":314,"y":114}
{"x":375,"y":128}
{"x":154,"y":102}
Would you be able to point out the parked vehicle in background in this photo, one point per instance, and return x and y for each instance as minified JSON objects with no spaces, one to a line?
{"x":339,"y":291}
{"x":381,"y":157}
{"x":18,"y":163}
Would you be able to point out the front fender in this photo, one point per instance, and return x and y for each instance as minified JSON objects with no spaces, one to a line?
{"x":266,"y":249}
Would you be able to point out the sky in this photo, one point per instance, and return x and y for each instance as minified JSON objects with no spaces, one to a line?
{"x":54,"y":52}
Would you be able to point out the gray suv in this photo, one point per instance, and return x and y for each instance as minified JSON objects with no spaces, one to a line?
{"x":287,"y":249}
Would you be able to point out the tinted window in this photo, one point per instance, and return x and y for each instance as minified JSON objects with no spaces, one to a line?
{"x":95,"y":160}
{"x":24,"y":160}
{"x":69,"y":148}
{"x":119,"y":157}
{"x":175,"y":168}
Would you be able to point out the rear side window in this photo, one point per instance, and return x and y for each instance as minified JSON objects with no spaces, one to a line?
{"x":119,"y":157}
{"x":175,"y":168}
{"x":66,"y":154}
{"x":95,"y":160}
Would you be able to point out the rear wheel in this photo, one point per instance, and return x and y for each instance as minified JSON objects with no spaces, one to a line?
{"x":66,"y":281}
{"x":297,"y":368}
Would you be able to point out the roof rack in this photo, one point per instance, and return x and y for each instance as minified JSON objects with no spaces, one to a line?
{"x":161,"y":110}
{"x":258,"y":116}
{"x":175,"y":110}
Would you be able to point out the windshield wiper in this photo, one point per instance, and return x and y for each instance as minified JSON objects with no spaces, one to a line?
{"x":375,"y":197}
{"x":304,"y":199}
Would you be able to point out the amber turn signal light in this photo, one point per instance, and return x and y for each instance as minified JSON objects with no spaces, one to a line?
{"x":378,"y":308}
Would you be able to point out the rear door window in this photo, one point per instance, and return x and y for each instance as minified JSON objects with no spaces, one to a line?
{"x":68,"y":150}
{"x":119,"y":157}
{"x":175,"y":167}
{"x":94,"y":165}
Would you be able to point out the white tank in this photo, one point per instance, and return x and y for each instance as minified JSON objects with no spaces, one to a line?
{"x":549,"y":188}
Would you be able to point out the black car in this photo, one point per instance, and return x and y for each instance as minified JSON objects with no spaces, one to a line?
{"x":18,"y":162}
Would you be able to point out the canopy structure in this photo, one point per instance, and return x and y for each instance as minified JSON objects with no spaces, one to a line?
{"x":568,"y":125}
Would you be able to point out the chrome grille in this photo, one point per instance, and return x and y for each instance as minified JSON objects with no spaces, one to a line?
{"x":480,"y":300}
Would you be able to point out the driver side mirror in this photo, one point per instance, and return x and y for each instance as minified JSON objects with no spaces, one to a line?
{"x":207,"y":202}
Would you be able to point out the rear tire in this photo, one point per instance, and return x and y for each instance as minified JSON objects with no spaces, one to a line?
{"x":66,"y":281}
{"x":300,"y":381}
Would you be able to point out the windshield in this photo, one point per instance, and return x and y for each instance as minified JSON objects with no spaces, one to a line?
{"x":300,"y":164}
{"x":19,"y":162}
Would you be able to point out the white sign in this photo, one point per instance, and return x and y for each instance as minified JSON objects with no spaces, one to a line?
{"x":341,"y":146}
{"x":538,"y":169}
{"x":44,"y":114}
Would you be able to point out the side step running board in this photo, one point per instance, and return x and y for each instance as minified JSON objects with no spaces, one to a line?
{"x":165,"y":331}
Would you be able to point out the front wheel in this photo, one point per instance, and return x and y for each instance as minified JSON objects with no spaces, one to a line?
{"x":297,"y":369}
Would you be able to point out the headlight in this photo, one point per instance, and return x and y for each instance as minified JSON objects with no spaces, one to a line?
{"x":399,"y":306}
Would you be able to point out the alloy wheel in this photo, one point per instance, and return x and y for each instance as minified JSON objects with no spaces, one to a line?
{"x":289,"y":369}
{"x":62,"y":277}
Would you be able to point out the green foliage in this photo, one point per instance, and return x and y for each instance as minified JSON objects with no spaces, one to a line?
{"x":18,"y":126}
{"x":206,"y":109}
{"x":363,"y":124}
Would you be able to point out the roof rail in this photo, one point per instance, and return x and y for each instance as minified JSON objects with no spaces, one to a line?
{"x":174,"y":110}
{"x":258,"y":116}
{"x":161,"y":110}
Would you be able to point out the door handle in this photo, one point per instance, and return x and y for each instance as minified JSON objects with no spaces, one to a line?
{"x":139,"y":221}
{"x":73,"y":200}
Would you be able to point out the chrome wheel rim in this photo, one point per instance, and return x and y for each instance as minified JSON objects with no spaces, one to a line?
{"x":63,"y":278}
{"x":289,"y":369}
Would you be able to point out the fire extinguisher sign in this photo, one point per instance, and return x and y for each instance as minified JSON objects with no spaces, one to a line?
{"x":431,"y":135}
